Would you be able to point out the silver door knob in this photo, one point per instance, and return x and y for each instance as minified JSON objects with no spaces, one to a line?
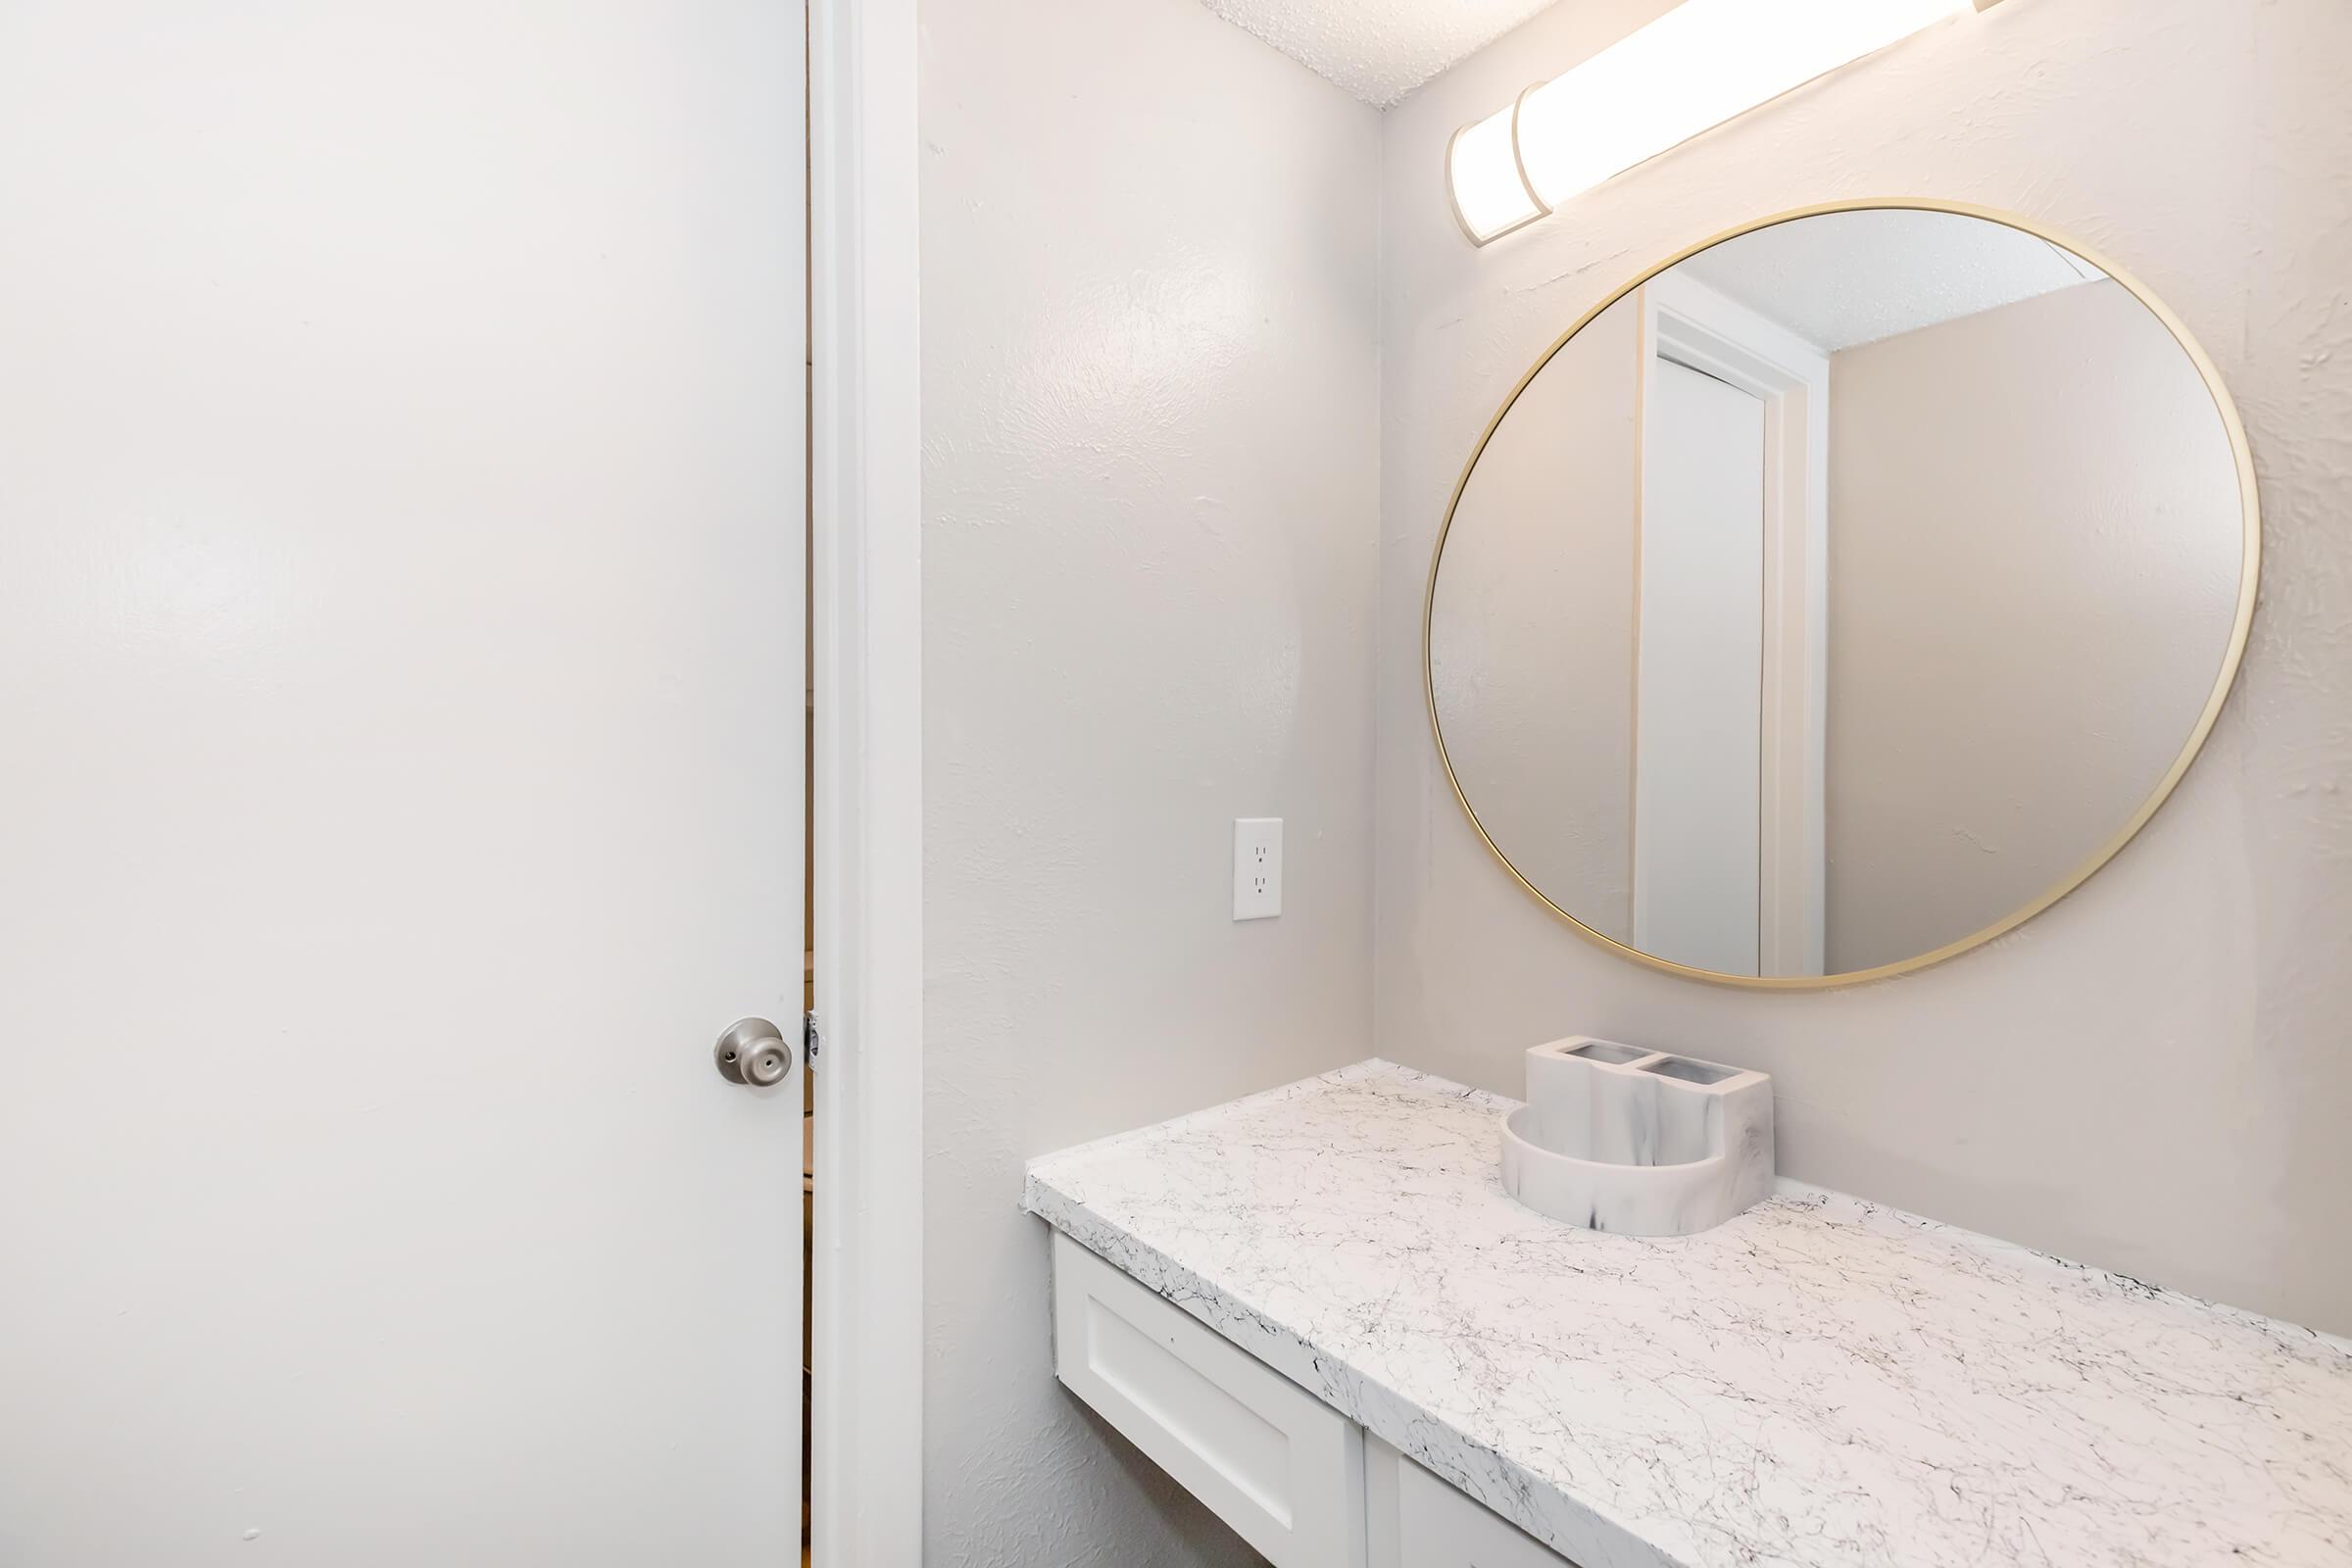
{"x":753,"y":1053}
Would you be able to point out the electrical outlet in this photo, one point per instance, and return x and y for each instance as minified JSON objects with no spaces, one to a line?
{"x":1256,"y":867}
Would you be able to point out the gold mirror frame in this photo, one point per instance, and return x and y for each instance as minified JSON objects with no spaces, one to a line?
{"x":2248,"y":581}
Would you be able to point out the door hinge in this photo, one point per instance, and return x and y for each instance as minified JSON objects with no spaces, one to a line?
{"x":811,"y":1038}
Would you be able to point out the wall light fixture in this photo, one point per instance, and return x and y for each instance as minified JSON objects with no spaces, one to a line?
{"x":1698,"y":66}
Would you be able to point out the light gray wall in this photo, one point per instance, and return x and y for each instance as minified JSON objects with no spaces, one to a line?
{"x":2153,"y":1076}
{"x":1150,"y":498}
{"x":2035,"y":547}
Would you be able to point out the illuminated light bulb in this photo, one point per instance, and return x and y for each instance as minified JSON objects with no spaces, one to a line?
{"x":1490,"y":197}
{"x":1698,"y":66}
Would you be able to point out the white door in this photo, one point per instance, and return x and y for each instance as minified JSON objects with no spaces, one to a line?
{"x":401,"y":530}
{"x":1700,"y":676}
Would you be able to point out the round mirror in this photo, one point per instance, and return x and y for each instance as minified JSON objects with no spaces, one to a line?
{"x":1840,"y":593}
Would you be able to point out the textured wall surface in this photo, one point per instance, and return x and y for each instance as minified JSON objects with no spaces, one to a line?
{"x":1151,"y":492}
{"x":2153,"y":1076}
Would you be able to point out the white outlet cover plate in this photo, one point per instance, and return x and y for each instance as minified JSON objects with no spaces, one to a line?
{"x":1256,"y":867}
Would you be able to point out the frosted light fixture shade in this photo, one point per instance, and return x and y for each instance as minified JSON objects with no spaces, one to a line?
{"x":1698,"y":66}
{"x":1490,"y":197}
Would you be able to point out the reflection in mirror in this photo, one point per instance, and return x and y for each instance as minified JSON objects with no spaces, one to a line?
{"x":1838,"y":594}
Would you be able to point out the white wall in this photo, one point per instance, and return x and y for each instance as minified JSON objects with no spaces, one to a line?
{"x":2153,"y":1075}
{"x":1151,"y":490}
{"x":2035,"y":551}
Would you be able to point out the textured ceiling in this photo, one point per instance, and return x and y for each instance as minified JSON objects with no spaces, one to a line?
{"x":1847,"y":278}
{"x":1379,"y":50}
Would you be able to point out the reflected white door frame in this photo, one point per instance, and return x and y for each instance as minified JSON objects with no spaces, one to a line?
{"x":1685,"y":321}
{"x":1698,"y":692}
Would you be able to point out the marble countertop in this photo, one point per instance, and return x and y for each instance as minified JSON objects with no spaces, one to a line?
{"x":1821,"y":1380}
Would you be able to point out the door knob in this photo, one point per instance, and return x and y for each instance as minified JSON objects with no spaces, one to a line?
{"x":753,"y":1053}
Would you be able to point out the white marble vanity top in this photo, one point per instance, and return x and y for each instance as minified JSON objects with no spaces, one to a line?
{"x":1819,"y":1380}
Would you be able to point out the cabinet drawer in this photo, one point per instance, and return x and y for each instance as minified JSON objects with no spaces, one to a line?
{"x":1280,"y":1466}
{"x":1438,"y":1527}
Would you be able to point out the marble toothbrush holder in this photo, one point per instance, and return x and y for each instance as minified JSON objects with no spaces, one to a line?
{"x":1640,"y":1142}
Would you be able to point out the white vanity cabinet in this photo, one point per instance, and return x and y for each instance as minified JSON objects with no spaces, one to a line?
{"x":1296,"y":1479}
{"x":1414,"y":1520}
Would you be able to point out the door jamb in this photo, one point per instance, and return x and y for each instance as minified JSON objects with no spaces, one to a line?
{"x":866,"y":625}
{"x":1692,"y":324}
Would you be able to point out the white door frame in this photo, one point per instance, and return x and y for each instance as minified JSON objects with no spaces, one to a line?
{"x":1692,"y":324}
{"x":866,"y":624}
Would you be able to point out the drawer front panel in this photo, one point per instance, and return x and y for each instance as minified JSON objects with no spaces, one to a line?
{"x":1438,"y":1527}
{"x":1280,"y":1466}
